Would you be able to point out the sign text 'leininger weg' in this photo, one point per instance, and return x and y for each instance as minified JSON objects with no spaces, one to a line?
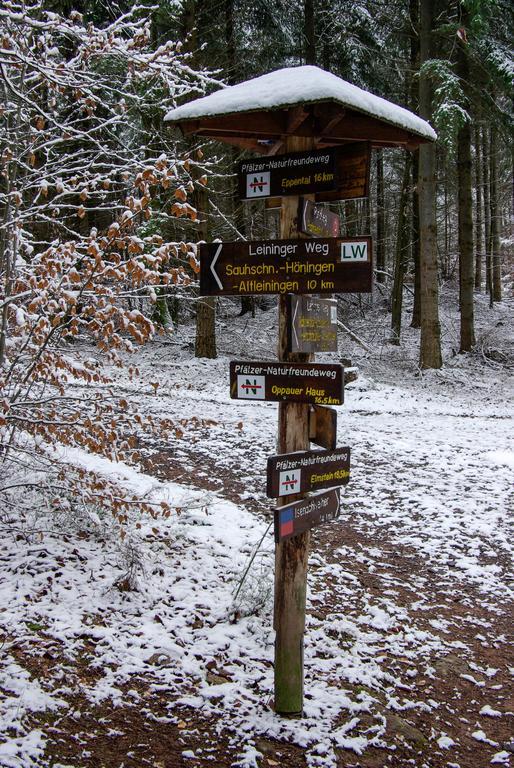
{"x":324,"y":265}
{"x":296,"y":382}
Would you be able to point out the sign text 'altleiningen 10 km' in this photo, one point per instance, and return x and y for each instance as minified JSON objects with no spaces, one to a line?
{"x":324,"y":265}
{"x":297,"y":382}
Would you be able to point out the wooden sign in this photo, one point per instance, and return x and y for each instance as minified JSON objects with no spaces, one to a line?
{"x":305,"y":471}
{"x":312,"y":324}
{"x":295,"y":382}
{"x":323,"y":426}
{"x":335,"y":173}
{"x":296,"y":174}
{"x":317,"y":220}
{"x":352,"y":172}
{"x":301,"y":516}
{"x":324,"y":265}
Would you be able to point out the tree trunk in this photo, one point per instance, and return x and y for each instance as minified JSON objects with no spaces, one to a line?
{"x":416,"y":307}
{"x":495,"y":224}
{"x":479,"y":231}
{"x":430,"y":337}
{"x":414,"y":104}
{"x":205,"y":341}
{"x":309,"y":32}
{"x":465,"y":204}
{"x":380,"y":245}
{"x":487,"y":211}
{"x":400,"y":259}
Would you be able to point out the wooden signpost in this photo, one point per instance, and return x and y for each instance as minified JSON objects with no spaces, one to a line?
{"x":300,"y":516}
{"x":312,"y":324}
{"x":293,"y":382}
{"x":325,"y":265}
{"x":307,"y":471}
{"x":325,"y":130}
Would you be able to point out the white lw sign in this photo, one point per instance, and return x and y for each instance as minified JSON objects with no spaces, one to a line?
{"x":357,"y":251}
{"x":258,"y":184}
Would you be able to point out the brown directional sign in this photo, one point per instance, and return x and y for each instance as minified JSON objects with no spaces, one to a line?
{"x":277,"y":382}
{"x":301,"y":516}
{"x":296,"y":174}
{"x":323,"y":426}
{"x":305,"y":471}
{"x":335,"y":173}
{"x":317,"y":220}
{"x":321,"y":265}
{"x":352,"y":172}
{"x":312,"y":324}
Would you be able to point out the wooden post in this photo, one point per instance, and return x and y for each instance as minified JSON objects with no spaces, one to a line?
{"x":291,"y":555}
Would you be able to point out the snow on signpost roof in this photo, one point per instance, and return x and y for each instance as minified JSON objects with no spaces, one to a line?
{"x":292,"y":86}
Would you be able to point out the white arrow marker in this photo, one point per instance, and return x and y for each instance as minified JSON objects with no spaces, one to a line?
{"x":213,"y":262}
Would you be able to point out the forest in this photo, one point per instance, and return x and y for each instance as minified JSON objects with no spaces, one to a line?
{"x":135,"y":618}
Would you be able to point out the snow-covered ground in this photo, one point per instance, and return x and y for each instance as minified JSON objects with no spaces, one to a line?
{"x":406,"y":649}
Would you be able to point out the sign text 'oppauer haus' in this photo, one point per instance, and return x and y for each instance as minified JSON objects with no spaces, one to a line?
{"x":323,"y":265}
{"x":278,"y":381}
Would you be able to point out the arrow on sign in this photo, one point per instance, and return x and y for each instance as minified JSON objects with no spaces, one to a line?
{"x":213,"y":262}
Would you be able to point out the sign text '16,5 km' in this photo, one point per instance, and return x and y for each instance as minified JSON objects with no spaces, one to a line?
{"x":297,"y":382}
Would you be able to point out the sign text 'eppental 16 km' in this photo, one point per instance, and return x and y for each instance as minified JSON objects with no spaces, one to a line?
{"x":278,"y":382}
{"x":305,"y":471}
{"x":301,"y":516}
{"x":324,"y":265}
{"x":303,"y":172}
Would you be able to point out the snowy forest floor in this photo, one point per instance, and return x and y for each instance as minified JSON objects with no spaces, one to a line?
{"x":138,"y":655}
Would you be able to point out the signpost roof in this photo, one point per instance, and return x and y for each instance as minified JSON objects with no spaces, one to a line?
{"x":259,"y":114}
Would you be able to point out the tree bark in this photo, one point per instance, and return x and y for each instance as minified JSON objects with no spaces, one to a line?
{"x":400,"y":260}
{"x":495,"y":224}
{"x":205,"y":341}
{"x":309,"y":32}
{"x":380,"y":245}
{"x":416,"y":307}
{"x":487,"y":211}
{"x":430,"y":337}
{"x":465,"y":205}
{"x":414,"y":103}
{"x":479,"y":227}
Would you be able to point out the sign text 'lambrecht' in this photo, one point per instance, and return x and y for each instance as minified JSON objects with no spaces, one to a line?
{"x":312,"y":324}
{"x":305,"y":471}
{"x":301,"y":516}
{"x":324,"y":265}
{"x":297,"y":382}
